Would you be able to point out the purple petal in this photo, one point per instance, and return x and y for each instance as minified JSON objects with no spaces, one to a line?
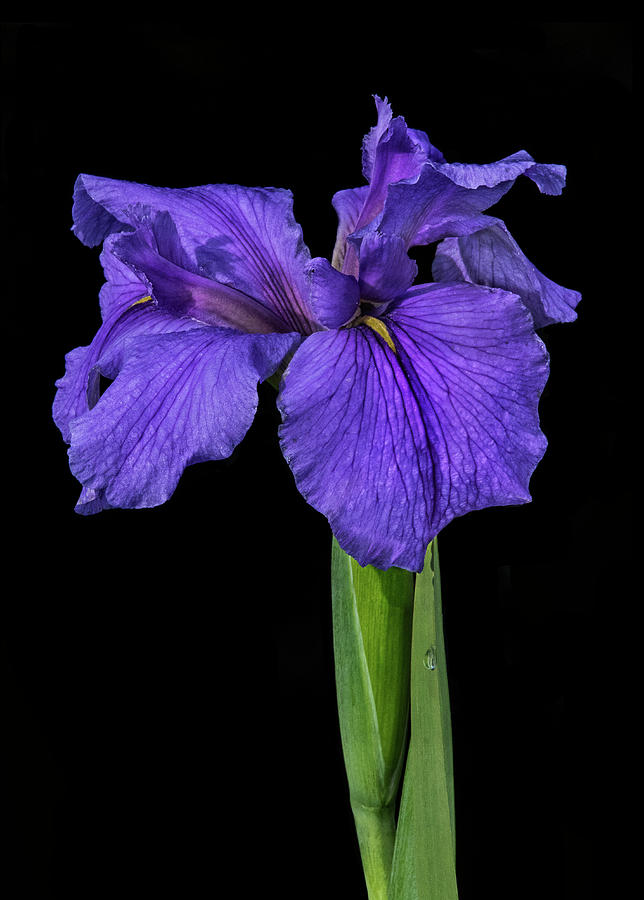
{"x":390,"y":152}
{"x":549,"y":178}
{"x":123,"y":286}
{"x":333,"y":297}
{"x":386,"y":271}
{"x":177,"y":399}
{"x":348,"y":205}
{"x":184,"y":293}
{"x":78,"y":389}
{"x":448,"y":199}
{"x":391,"y":445}
{"x":430,"y":152}
{"x":374,"y":135}
{"x":397,"y":156}
{"x":91,"y":502}
{"x":433,"y":207}
{"x":243,"y":237}
{"x":492,"y":257}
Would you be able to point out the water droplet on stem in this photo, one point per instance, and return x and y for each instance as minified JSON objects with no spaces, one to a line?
{"x":429,"y":660}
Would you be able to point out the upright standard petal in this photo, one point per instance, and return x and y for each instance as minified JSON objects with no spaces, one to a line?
{"x":390,"y":152}
{"x":448,"y":199}
{"x":549,"y":177}
{"x":492,"y":257}
{"x":177,"y":399}
{"x":348,"y":206}
{"x":393,"y":431}
{"x":243,"y":237}
{"x":375,"y":134}
{"x":386,"y":271}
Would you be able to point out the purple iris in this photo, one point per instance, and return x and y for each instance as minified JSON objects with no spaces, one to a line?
{"x":403,"y":405}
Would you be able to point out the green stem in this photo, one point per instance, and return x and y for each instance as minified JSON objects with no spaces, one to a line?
{"x":372,"y":618}
{"x":376,"y":830}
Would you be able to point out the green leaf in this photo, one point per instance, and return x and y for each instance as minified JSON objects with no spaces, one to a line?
{"x":372,"y":619}
{"x":403,"y":872}
{"x":424,"y":856}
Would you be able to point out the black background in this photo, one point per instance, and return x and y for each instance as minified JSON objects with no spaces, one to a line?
{"x":167,"y":674}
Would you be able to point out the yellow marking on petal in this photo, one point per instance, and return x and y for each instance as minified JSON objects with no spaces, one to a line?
{"x":142,"y":300}
{"x":379,"y":327}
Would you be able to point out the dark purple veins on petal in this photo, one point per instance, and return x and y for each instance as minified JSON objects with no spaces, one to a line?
{"x":391,"y":444}
{"x":243,"y":238}
{"x":176,"y":399}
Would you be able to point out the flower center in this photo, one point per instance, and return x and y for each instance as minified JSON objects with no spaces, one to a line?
{"x":142,"y":300}
{"x":379,"y":327}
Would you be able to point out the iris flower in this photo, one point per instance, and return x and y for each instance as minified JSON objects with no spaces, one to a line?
{"x":403,"y":405}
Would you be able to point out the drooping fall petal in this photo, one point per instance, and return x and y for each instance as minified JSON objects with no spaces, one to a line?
{"x":176,"y":399}
{"x":391,"y":444}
